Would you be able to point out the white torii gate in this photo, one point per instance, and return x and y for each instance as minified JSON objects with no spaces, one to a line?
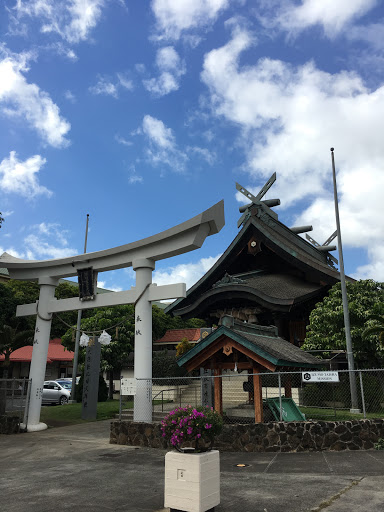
{"x":141,"y":255}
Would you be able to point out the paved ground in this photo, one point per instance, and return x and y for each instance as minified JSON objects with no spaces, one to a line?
{"x":75,"y":468}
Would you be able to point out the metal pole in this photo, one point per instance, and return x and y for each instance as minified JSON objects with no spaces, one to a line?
{"x":362,"y":394}
{"x":77,"y":339}
{"x":280,"y":401}
{"x":351,"y":364}
{"x":120,"y":400}
{"x":26,"y":408}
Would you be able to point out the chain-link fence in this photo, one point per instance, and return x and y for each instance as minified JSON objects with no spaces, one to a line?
{"x":14,"y":399}
{"x":283,"y":396}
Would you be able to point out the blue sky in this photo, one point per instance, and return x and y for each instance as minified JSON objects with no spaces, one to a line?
{"x":145,"y":113}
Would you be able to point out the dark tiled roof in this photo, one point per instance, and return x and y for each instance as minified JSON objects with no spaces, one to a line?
{"x":280,"y":286}
{"x":279,"y":348}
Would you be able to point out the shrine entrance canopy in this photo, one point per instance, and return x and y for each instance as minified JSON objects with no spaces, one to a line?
{"x":240,"y":346}
{"x":141,"y":255}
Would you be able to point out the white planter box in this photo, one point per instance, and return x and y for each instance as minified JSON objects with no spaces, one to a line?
{"x":192,"y":481}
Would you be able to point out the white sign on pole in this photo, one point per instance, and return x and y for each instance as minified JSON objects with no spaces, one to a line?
{"x":128,"y":387}
{"x":320,"y":377}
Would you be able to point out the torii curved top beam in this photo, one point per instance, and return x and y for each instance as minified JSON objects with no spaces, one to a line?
{"x":184,"y":237}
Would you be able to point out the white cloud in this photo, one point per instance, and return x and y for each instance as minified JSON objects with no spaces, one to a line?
{"x":140,"y":68}
{"x":284,"y":112}
{"x":18,"y":98}
{"x":174,"y":17}
{"x":188,"y":273}
{"x":61,"y":49}
{"x":158,"y":132}
{"x":205,"y":154}
{"x":133,"y":177}
{"x":70,"y":96}
{"x":44,"y":241}
{"x":12,"y":251}
{"x":358,"y":217}
{"x":114,"y":288}
{"x":125,"y":82}
{"x":332,"y":16}
{"x":53,"y":230}
{"x":123,"y":141}
{"x":375,"y":268}
{"x":171,"y":69}
{"x":72,"y":20}
{"x":167,"y":58}
{"x":372,"y":34}
{"x":162,"y":145}
{"x":288,"y":118}
{"x":21,"y":177}
{"x":40,"y":249}
{"x":162,"y":85}
{"x":106,"y":86}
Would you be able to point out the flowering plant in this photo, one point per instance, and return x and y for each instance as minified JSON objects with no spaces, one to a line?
{"x":195,"y":427}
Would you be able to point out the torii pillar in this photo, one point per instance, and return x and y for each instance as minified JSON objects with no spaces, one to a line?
{"x":141,"y":255}
{"x":142,"y":410}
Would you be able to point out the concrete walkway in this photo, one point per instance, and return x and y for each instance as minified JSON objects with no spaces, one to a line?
{"x":75,"y":468}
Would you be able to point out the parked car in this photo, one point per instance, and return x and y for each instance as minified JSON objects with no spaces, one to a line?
{"x":69,"y":379}
{"x":56,"y":392}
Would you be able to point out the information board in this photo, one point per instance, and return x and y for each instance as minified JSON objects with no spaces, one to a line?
{"x":320,"y":377}
{"x":128,"y":387}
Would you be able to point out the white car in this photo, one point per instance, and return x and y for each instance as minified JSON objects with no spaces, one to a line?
{"x":56,"y":392}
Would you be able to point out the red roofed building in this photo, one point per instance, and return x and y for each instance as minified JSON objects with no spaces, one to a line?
{"x":59,"y":361}
{"x":174,"y":336}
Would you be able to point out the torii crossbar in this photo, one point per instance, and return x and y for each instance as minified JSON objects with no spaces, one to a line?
{"x":141,"y":255}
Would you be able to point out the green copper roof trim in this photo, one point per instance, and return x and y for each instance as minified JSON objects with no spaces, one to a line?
{"x":199,"y":347}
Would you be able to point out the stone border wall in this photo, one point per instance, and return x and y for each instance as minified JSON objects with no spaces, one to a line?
{"x":9,"y":424}
{"x":266,"y":437}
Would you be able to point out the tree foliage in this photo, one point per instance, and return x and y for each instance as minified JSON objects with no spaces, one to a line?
{"x":14,"y":332}
{"x":326,"y":328}
{"x":12,"y":338}
{"x":119,"y":321}
{"x":27,"y":292}
{"x":376,"y":328}
{"x":165,"y":365}
{"x":183,"y":347}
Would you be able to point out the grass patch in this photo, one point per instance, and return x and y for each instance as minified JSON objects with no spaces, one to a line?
{"x":70,"y":414}
{"x":336,"y":415}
